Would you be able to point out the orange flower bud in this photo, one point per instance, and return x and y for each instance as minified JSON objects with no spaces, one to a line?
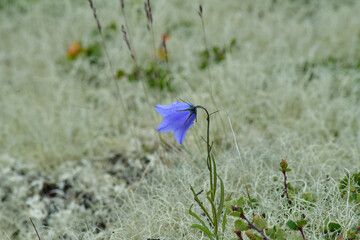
{"x":165,"y":37}
{"x":74,"y":50}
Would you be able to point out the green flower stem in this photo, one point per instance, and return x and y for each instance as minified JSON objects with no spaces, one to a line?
{"x":215,"y":217}
{"x":210,"y":161}
{"x":211,"y":164}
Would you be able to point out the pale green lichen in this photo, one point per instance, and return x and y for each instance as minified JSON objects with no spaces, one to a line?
{"x":290,"y":87}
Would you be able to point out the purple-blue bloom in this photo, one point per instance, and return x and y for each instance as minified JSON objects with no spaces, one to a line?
{"x":178,"y":117}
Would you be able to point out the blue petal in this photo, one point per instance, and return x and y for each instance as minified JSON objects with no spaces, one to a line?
{"x":178,"y":117}
{"x":180,"y":132}
{"x":173,"y":121}
{"x":165,"y":110}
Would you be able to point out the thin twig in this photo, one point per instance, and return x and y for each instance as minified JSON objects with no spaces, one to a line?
{"x":148,"y":11}
{"x":286,"y":187}
{"x":236,"y":143}
{"x":35,"y":229}
{"x":242,"y":162}
{"x":302,"y":233}
{"x":127,"y":29}
{"x":249,"y":197}
{"x":6,"y":234}
{"x":128,"y":44}
{"x":255,"y":228}
{"x":238,"y":233}
{"x":200,"y":12}
{"x":165,"y":48}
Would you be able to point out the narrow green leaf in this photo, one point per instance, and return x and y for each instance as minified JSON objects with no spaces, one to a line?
{"x":222,"y":199}
{"x":224,"y":222}
{"x":196,"y":216}
{"x":204,"y":230}
{"x":215,"y":175}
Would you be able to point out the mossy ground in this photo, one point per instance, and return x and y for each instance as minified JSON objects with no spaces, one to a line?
{"x":74,"y":149}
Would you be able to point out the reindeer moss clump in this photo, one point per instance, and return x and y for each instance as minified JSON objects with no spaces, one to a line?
{"x":79,"y":150}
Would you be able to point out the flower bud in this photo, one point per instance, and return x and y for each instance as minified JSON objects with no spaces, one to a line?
{"x":283,"y":164}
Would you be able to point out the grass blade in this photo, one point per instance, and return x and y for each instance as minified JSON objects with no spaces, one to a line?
{"x":205,"y":230}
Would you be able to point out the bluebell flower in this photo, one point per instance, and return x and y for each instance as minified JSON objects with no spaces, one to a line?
{"x":178,"y":117}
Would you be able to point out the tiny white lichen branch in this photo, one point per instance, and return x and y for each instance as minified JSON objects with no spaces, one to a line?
{"x":236,"y":144}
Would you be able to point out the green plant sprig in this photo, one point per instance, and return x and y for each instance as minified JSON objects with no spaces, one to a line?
{"x":216,"y":213}
{"x":284,"y":169}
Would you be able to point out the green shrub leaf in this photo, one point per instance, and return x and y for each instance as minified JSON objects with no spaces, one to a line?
{"x":241,"y":225}
{"x":280,"y":234}
{"x":301,"y":223}
{"x":334,"y":227}
{"x":292,"y":225}
{"x":260,"y":223}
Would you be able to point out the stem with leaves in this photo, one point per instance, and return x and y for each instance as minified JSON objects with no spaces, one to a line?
{"x":216,"y":213}
{"x":210,"y":160}
{"x":284,"y":169}
{"x":251,"y":225}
